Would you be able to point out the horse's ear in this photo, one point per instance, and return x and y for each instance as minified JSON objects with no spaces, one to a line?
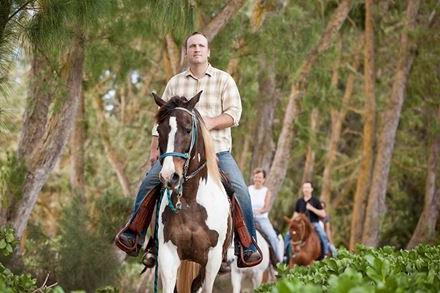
{"x":287,"y":219}
{"x":158,"y":100}
{"x":194,"y":100}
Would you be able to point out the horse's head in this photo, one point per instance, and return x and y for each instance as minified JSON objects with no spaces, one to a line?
{"x":177,"y":128}
{"x":299,"y":228}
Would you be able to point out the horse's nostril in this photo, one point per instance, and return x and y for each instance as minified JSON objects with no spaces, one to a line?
{"x":175,"y":178}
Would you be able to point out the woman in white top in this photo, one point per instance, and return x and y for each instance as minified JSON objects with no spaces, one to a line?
{"x":261,"y":199}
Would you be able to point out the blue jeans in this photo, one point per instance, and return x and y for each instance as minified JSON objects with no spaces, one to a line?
{"x":228,"y":165}
{"x":269,"y":231}
{"x":324,"y":240}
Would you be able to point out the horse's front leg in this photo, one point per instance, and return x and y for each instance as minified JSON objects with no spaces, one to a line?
{"x":169,"y":263}
{"x":215,"y":256}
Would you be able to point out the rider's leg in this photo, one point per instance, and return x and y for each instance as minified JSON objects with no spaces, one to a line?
{"x":228,"y":165}
{"x":269,"y":231}
{"x":150,"y":180}
{"x":323,"y":237}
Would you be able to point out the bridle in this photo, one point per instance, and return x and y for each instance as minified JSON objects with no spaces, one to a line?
{"x":300,"y":243}
{"x":186,"y":156}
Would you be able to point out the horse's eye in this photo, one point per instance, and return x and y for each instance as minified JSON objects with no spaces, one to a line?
{"x":188,"y":130}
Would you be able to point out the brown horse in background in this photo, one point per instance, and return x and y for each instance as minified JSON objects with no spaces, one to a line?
{"x":306,"y":247}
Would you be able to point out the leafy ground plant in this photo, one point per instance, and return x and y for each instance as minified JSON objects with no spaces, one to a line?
{"x":368,"y":270}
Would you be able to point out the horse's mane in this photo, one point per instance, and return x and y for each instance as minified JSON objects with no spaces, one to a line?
{"x":211,"y":158}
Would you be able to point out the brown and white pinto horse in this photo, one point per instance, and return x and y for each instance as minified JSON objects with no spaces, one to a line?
{"x":306,"y":247}
{"x":194,"y":220}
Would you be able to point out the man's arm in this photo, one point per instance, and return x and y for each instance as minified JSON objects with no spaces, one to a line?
{"x":219,"y":122}
{"x":154,"y":149}
{"x":320,"y":213}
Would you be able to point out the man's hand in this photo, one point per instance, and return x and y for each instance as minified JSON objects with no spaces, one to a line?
{"x":209,"y":123}
{"x":309,"y":207}
{"x":154,"y":155}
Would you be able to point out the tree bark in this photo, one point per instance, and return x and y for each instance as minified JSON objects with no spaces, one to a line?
{"x":369,"y":130}
{"x":425,"y":230}
{"x":77,"y":179}
{"x":263,"y":143}
{"x":337,"y":117}
{"x":280,"y":163}
{"x":173,"y":53}
{"x":51,"y":145}
{"x":310,"y":154}
{"x":114,"y":159}
{"x":376,"y":197}
{"x":242,"y":158}
{"x":39,"y":99}
{"x":221,"y":19}
{"x":214,"y":26}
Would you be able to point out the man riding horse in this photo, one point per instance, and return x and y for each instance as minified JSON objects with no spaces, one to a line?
{"x":312,"y":208}
{"x":220,"y":107}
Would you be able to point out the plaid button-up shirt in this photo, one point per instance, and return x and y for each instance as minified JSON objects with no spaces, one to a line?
{"x":220,"y":95}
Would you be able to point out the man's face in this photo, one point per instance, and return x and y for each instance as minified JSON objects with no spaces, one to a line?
{"x":307,"y":189}
{"x":197,"y":50}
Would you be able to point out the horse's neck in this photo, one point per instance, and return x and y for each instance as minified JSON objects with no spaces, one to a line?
{"x":198,"y":157}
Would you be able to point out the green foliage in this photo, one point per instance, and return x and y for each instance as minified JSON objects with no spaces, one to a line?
{"x":369,"y":270}
{"x":111,"y":212}
{"x":86,"y":261}
{"x":7,"y":240}
{"x":12,"y":175}
{"x":9,"y":282}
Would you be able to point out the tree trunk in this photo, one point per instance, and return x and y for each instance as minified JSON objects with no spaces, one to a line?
{"x":214,"y":26}
{"x":243,"y":156}
{"x":173,"y":53}
{"x":337,"y":117}
{"x":425,"y":230}
{"x":263,"y":143}
{"x":114,"y":159}
{"x":233,"y":64}
{"x":390,"y":121}
{"x":310,"y":155}
{"x":366,"y":166}
{"x":77,"y":141}
{"x":280,"y":163}
{"x":51,"y":145}
{"x":221,"y":19}
{"x":39,"y":99}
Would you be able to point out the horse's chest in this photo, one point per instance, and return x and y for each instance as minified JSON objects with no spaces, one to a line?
{"x":201,"y":223}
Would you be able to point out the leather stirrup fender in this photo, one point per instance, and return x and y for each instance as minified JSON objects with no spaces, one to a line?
{"x":239,"y":224}
{"x":143,"y":217}
{"x":140,"y":222}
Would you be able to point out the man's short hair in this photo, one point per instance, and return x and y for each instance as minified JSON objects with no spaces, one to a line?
{"x":193,"y":34}
{"x":260,"y":170}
